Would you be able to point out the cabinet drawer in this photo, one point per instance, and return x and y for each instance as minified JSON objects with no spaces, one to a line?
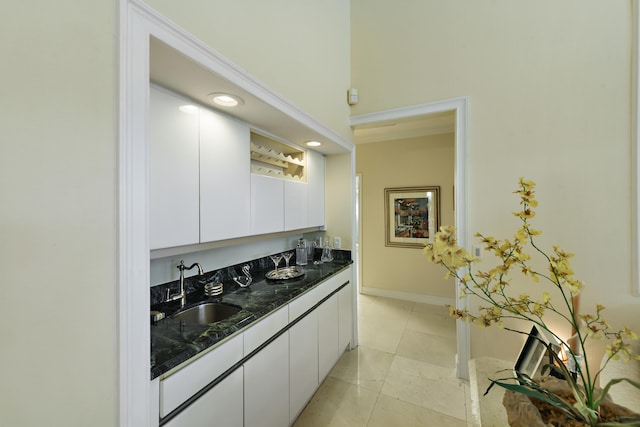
{"x":340,"y":279}
{"x":255,"y":336}
{"x":303,"y":303}
{"x":183,"y":384}
{"x":223,"y":404}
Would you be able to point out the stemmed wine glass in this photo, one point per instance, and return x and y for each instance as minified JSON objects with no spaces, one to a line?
{"x":287,"y":256}
{"x":276,"y":260}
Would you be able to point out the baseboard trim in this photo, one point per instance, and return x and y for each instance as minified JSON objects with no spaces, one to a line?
{"x":407,"y":296}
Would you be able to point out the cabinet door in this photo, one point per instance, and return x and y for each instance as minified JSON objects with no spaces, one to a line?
{"x":173,"y":172}
{"x":345,"y":317}
{"x":296,"y":209}
{"x":315,"y":188}
{"x":266,"y":386}
{"x":267,"y":204}
{"x":181,"y":385}
{"x":220,"y":406}
{"x":328,"y":349}
{"x":225,"y":171}
{"x":303,"y":363}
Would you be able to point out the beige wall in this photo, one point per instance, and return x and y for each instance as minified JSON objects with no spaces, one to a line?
{"x":414,"y":162}
{"x":339,"y":199}
{"x":549,"y":93}
{"x":58,"y":177}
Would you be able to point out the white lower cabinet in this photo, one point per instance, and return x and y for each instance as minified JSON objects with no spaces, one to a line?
{"x":345,"y":317}
{"x":177,"y":388}
{"x":266,"y":386}
{"x":275,"y":382}
{"x":303,"y":363}
{"x":328,"y":328}
{"x":220,"y":406}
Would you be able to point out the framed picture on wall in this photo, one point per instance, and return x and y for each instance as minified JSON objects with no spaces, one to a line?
{"x":412,"y":215}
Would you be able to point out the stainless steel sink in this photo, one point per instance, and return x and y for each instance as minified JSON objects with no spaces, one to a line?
{"x":204,"y":314}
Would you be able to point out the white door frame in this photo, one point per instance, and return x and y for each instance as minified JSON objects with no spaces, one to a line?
{"x":460,"y":106}
{"x":635,"y":148}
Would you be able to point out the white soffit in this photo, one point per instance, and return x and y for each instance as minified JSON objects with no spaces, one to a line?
{"x":172,"y":70}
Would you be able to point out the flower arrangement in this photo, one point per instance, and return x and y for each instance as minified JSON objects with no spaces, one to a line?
{"x":492,"y":288}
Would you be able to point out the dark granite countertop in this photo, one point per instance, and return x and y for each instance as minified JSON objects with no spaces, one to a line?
{"x":174,"y":342}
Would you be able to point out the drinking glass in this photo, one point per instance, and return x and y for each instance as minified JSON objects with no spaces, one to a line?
{"x":276,"y":260}
{"x":287,"y":256}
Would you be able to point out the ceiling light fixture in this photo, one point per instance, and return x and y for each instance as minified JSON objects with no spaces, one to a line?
{"x":225,"y":99}
{"x":314,"y":143}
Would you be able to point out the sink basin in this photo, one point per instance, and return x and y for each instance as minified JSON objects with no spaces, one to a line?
{"x":204,"y":314}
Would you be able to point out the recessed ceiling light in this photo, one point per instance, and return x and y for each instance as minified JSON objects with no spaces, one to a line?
{"x":225,"y":99}
{"x":314,"y":143}
{"x":189,"y":109}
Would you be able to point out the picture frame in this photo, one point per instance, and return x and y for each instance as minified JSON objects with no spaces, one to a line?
{"x":412,"y":215}
{"x":534,"y":350}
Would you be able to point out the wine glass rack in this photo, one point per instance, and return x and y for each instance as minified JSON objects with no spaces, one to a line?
{"x":276,"y":159}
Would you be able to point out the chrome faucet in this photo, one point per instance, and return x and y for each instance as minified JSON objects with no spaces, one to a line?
{"x":182,"y":295}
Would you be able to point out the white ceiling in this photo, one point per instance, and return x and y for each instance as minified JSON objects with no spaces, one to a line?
{"x":410,"y":127}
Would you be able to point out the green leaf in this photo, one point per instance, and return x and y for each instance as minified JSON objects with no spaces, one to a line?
{"x":614,"y":381}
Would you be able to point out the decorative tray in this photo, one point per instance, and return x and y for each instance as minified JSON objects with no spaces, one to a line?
{"x":285,"y":273}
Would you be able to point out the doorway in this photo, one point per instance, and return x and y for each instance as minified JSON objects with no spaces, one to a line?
{"x":412,"y":121}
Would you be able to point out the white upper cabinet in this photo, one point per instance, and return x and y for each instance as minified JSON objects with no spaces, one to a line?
{"x":302,"y":173}
{"x":267,"y":204}
{"x":296,"y":209}
{"x":200,"y":174}
{"x":225,"y":179}
{"x":315,"y":192}
{"x":173,"y":172}
{"x":212,"y":178}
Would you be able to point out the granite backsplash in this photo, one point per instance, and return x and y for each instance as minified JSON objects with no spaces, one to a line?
{"x":194,"y":283}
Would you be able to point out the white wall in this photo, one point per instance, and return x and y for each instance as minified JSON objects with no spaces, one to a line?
{"x":549,"y":94}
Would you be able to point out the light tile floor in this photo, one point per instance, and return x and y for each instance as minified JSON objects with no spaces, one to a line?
{"x":401,"y":374}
